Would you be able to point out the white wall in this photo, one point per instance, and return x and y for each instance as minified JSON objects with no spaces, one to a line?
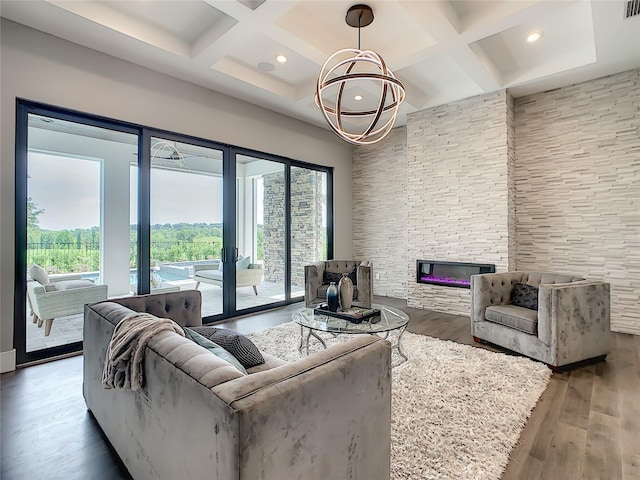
{"x":43,"y":68}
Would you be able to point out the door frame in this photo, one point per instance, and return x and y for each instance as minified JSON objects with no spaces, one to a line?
{"x":24,"y":107}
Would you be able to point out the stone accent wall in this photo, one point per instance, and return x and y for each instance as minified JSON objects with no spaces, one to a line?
{"x":307,"y":206}
{"x":459,"y":192}
{"x":578,"y":184}
{"x":380,"y":211}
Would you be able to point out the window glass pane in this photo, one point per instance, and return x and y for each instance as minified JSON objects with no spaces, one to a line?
{"x":186,"y":221}
{"x":78,"y":240}
{"x":308,"y":223}
{"x":260,"y":232}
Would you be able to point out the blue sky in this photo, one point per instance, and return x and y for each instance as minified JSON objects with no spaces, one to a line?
{"x":68,"y":189}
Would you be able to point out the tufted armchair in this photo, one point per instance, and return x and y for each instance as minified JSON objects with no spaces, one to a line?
{"x":318,"y":275}
{"x":570,"y":324}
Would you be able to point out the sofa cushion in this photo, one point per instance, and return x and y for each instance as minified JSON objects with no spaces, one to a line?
{"x":524,"y":295}
{"x":39,"y":274}
{"x":519,"y":318}
{"x":235,"y":343}
{"x":214,"y":348}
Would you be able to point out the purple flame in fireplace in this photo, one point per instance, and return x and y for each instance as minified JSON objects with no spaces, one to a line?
{"x":456,"y":281}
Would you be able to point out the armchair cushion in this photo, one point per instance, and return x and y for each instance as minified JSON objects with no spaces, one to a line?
{"x":39,"y":274}
{"x":520,"y":318}
{"x":524,"y":295}
{"x":70,"y":285}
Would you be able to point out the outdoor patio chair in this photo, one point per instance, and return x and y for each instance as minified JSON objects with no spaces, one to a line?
{"x":60,"y":296}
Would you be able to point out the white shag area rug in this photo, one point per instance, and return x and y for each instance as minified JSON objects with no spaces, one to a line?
{"x":457,"y":410}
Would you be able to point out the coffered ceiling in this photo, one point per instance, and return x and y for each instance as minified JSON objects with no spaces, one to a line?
{"x":441,"y":50}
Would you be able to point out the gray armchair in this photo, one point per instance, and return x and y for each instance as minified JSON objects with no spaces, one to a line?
{"x":570,"y":325}
{"x":318,"y":275}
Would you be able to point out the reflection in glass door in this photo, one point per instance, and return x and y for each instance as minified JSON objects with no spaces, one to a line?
{"x":308,"y":223}
{"x":78,"y":239}
{"x":186,"y":221}
{"x":260,"y":232}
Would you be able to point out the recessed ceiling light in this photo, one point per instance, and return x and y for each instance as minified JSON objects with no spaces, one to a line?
{"x":281,"y":59}
{"x":358,"y":97}
{"x":534,"y":37}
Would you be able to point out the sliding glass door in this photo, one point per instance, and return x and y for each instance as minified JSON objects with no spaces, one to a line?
{"x":107,"y":209}
{"x":186,"y":221}
{"x":260,"y":232}
{"x":81,"y":192}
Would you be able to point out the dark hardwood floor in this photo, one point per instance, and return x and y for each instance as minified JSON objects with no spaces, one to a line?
{"x":585,"y":426}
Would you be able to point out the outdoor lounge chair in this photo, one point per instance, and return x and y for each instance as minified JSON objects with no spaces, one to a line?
{"x":247,"y":274}
{"x":60,"y":296}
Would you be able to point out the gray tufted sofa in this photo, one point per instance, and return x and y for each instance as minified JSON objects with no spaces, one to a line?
{"x":315,"y":289}
{"x":325,"y":416}
{"x":571,"y":325}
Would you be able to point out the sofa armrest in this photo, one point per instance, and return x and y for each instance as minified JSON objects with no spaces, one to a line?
{"x":490,"y":289}
{"x":331,"y":409}
{"x":313,"y":275}
{"x":364,"y":276}
{"x":575,"y":320}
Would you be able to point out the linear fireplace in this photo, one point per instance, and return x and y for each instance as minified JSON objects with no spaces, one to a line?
{"x":450,"y":274}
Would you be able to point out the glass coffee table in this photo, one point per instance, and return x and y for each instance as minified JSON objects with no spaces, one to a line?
{"x":389,"y":320}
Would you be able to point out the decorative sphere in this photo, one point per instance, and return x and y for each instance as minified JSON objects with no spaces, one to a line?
{"x":358,"y":125}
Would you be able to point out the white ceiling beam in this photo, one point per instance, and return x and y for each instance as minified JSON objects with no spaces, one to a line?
{"x":442,"y":23}
{"x":104,"y":16}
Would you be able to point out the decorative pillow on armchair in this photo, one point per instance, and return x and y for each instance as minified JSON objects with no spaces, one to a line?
{"x":329,"y":277}
{"x":524,"y":295}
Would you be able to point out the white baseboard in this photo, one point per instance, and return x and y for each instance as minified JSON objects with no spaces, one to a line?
{"x":8,"y":361}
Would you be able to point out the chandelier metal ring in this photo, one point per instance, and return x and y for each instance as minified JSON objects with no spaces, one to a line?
{"x":367,"y":67}
{"x":330,"y":76}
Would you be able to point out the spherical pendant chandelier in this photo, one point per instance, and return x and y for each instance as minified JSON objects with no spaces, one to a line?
{"x":353,"y":70}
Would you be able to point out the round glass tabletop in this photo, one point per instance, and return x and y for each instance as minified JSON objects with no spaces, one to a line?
{"x":389,"y":318}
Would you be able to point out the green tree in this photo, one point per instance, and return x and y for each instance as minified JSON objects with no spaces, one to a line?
{"x":33,"y":212}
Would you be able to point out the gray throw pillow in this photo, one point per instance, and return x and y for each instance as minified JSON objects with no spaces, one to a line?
{"x":235,"y":343}
{"x":214,"y":348}
{"x":524,"y":295}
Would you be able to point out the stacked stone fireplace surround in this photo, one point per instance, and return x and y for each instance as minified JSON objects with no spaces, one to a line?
{"x":546,"y":182}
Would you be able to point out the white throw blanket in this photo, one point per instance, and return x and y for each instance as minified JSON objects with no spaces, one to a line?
{"x":123,"y":367}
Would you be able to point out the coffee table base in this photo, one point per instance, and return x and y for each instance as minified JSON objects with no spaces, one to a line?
{"x":304,"y":342}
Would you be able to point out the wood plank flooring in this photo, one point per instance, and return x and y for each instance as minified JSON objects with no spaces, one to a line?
{"x":585,"y":426}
